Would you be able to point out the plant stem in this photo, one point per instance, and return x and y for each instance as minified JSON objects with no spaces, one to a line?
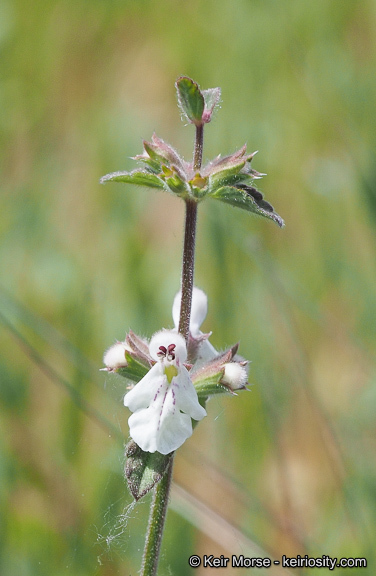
{"x":199,"y":144}
{"x":158,"y":508}
{"x":188,"y":267}
{"x":189,"y":244}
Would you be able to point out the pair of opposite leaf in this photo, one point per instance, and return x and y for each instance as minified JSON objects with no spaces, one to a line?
{"x":229,"y":179}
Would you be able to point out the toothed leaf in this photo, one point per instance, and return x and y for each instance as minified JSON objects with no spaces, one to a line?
{"x":248,"y":199}
{"x":137,"y":177}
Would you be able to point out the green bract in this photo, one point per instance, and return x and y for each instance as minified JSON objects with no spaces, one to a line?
{"x":210,"y":379}
{"x":229,"y":179}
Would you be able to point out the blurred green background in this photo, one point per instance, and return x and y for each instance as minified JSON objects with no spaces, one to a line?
{"x":289,"y":466}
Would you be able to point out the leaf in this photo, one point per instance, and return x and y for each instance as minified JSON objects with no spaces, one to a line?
{"x":207,"y":379}
{"x":134,"y":370}
{"x":166,"y":152}
{"x":226,"y":175}
{"x":176,"y":185}
{"x":153,"y":166}
{"x":137,"y":177}
{"x":143,"y":469}
{"x":247,"y":198}
{"x":222,"y":162}
{"x":209,"y":384}
{"x":191,"y":100}
{"x":236,"y":162}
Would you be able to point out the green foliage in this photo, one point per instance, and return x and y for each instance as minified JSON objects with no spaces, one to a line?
{"x":134,"y":370}
{"x":190,"y":99}
{"x":81,"y":84}
{"x":228,"y":179}
{"x":137,"y":177}
{"x":248,"y":199}
{"x":197,"y":105}
{"x":143,"y":469}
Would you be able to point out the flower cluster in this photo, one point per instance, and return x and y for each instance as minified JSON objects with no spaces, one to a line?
{"x":173,"y":380}
{"x":229,"y":179}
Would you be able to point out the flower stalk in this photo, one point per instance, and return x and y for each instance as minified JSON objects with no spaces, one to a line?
{"x":199,"y":144}
{"x":158,"y":508}
{"x":188,"y":266}
{"x":190,"y":242}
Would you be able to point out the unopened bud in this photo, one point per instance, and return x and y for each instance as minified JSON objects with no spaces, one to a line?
{"x":114,"y":357}
{"x":235,"y":376}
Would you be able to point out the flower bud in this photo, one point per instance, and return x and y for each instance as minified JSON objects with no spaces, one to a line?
{"x":235,"y":376}
{"x":129,"y":359}
{"x":114,"y":357}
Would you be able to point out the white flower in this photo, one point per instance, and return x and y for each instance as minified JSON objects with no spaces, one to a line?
{"x":165,"y":400}
{"x":199,"y":310}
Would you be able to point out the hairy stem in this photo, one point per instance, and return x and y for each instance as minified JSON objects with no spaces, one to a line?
{"x":158,"y":508}
{"x":188,"y":267}
{"x":158,"y":511}
{"x":189,"y":243}
{"x":199,"y":144}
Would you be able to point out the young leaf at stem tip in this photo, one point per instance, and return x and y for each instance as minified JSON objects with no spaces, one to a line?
{"x":197,"y":106}
{"x":191,"y":100}
{"x":228,"y":179}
